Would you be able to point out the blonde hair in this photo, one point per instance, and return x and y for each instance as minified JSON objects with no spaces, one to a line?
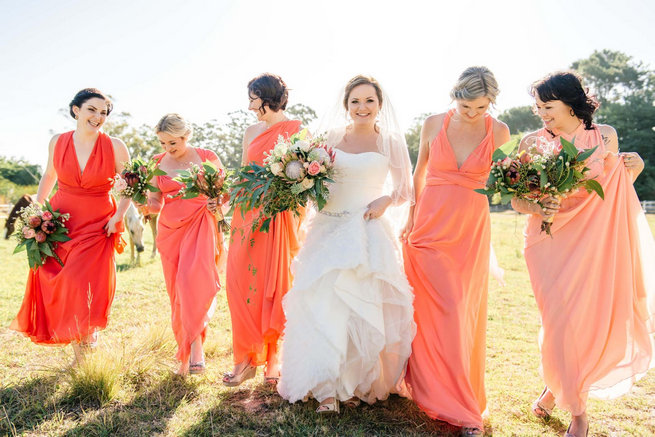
{"x":475,"y":82}
{"x":175,"y":125}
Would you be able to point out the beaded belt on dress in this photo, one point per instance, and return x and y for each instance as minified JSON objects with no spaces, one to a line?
{"x":335,"y":213}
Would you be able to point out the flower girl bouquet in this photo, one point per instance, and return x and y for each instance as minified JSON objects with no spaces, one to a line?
{"x":41,"y":228}
{"x":296,"y":170}
{"x":546,"y":169}
{"x":134,"y":180}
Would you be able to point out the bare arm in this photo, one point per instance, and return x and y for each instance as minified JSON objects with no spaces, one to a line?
{"x":632,"y":161}
{"x":49,"y":176}
{"x":121,"y":155}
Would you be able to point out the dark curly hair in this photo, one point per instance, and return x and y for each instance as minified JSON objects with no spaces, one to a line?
{"x":567,"y":87}
{"x":87,"y":94}
{"x":271,"y":89}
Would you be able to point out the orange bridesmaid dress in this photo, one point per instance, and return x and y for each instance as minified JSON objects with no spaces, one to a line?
{"x":188,"y":242}
{"x":258,"y":274}
{"x":447,"y":263}
{"x":66,"y":304}
{"x":594,"y":285}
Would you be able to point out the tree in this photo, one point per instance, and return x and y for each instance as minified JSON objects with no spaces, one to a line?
{"x":227,"y":139}
{"x":413,"y":137}
{"x":301,"y":112}
{"x":140,"y":141}
{"x":19,"y":171}
{"x":520,"y":119}
{"x":626,"y":90}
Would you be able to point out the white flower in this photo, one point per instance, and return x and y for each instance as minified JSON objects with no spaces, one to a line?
{"x":307,"y":183}
{"x":303,"y":145}
{"x":294,"y":170}
{"x":280,"y":149}
{"x":321,"y":155}
{"x":277,"y":168}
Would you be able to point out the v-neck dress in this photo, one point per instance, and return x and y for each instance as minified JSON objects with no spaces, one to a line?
{"x":65,"y":304}
{"x":447,"y":264}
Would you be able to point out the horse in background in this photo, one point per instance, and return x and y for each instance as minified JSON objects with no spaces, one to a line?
{"x":24,"y":201}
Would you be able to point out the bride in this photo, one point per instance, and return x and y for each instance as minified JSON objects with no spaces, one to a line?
{"x":349,"y":314}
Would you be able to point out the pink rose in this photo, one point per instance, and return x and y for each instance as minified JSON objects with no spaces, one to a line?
{"x":29,"y":233}
{"x":525,"y":158}
{"x":314,"y":168}
{"x":40,"y":236}
{"x":34,"y":221}
{"x":48,"y":227}
{"x":47,"y":215}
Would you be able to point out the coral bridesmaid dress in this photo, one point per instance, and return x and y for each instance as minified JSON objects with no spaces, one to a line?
{"x":447,"y":264}
{"x":66,"y":304}
{"x":594,"y":285}
{"x":258,"y":268}
{"x":188,"y":242}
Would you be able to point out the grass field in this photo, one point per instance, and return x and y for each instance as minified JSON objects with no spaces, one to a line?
{"x":128,"y":387}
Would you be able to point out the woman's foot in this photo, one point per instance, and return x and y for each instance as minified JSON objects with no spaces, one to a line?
{"x":197,"y":368}
{"x":353,"y":402}
{"x":242,"y":372}
{"x":328,"y":406}
{"x":579,"y":426}
{"x":543,"y":406}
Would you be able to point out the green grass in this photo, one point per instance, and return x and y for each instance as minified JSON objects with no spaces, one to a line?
{"x":128,"y":388}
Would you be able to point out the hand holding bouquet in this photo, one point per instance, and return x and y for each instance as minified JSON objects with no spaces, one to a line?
{"x":545,"y":170}
{"x":40,"y":230}
{"x":295,"y":171}
{"x":134,"y":180}
{"x":209,"y":181}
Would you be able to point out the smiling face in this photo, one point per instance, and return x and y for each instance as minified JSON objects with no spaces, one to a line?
{"x":363,"y":104}
{"x":472,"y":110}
{"x":554,"y":113}
{"x":174,"y":146}
{"x":92,"y":114}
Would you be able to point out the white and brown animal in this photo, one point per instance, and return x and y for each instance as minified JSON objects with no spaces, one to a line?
{"x":24,"y":201}
{"x":134,"y":226}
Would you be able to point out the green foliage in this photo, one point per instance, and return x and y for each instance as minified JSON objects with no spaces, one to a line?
{"x":19,"y":171}
{"x":626,"y":90}
{"x":520,"y":119}
{"x":226,"y":140}
{"x":140,"y":141}
{"x":413,"y":137}
{"x":301,"y":112}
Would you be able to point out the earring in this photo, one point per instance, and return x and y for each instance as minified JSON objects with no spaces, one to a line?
{"x":571,"y":112}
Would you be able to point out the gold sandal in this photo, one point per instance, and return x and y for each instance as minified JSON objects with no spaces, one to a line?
{"x":538,"y":409}
{"x":230,"y":379}
{"x":328,"y":407}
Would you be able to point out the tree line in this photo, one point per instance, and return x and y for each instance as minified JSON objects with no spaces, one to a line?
{"x":624,"y":87}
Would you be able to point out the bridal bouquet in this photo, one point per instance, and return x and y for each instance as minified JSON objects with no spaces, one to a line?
{"x":545,"y":169}
{"x":134,"y":180}
{"x":41,"y":229}
{"x":208,"y":180}
{"x":295,"y":171}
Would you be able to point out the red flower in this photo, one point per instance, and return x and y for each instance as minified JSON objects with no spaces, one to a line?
{"x":34,"y":221}
{"x":40,"y":236}
{"x":131,"y":179}
{"x":48,"y":227}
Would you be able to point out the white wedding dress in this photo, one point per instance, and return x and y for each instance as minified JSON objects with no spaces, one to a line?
{"x":349,"y":314}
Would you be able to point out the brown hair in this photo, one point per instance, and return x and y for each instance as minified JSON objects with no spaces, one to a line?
{"x":361,"y":80}
{"x":271,"y":89}
{"x":87,"y":94}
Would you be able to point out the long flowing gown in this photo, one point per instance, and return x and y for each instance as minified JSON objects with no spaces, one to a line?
{"x":258,"y":274}
{"x":447,"y":263}
{"x":66,"y":304}
{"x":349,"y":314}
{"x":188,"y":243}
{"x":594,"y":285}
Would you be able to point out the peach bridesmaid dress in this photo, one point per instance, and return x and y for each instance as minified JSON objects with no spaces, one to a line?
{"x":188,"y":242}
{"x":66,"y":304}
{"x":594,"y":285}
{"x":258,"y":268}
{"x":447,"y":264}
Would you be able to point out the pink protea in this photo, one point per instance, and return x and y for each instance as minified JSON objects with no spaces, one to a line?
{"x":47,"y":215}
{"x":34,"y":221}
{"x":48,"y":227}
{"x":40,"y":236}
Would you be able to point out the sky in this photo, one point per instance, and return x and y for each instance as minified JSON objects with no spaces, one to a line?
{"x":196,"y":57}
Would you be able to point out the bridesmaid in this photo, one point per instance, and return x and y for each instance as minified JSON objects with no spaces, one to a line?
{"x":188,"y":242}
{"x":70,"y":304}
{"x":597,"y":309}
{"x":446,"y":252}
{"x":258,"y":263}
